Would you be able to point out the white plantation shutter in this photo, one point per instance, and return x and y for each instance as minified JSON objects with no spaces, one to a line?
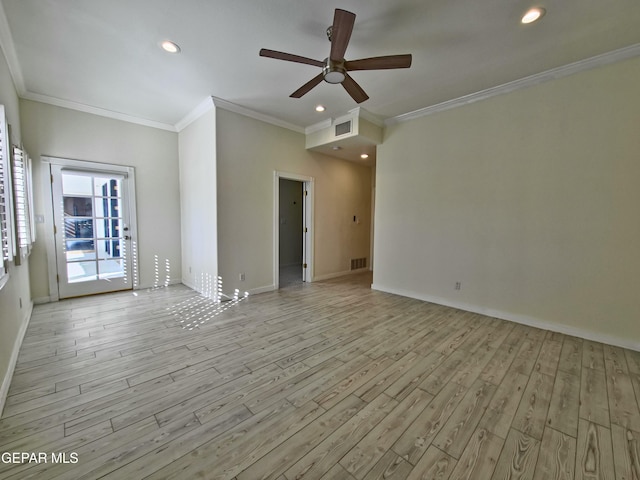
{"x":21,"y":202}
{"x":6,"y":210}
{"x":17,"y":226}
{"x":31,"y":207}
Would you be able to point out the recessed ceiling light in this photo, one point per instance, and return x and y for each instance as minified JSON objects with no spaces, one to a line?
{"x":364,"y":156}
{"x":336,"y":147}
{"x":320,"y":108}
{"x":533,"y":14}
{"x":170,"y":47}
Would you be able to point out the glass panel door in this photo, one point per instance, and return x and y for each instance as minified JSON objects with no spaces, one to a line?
{"x":91,"y":217}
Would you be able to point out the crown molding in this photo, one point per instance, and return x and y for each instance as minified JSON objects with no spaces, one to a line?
{"x":202,"y":108}
{"x":316,"y":127}
{"x":368,"y":116}
{"x":81,"y":107}
{"x":553,"y":74}
{"x":232,"y":107}
{"x":9,"y":50}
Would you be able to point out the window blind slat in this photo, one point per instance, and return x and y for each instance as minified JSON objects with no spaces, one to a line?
{"x":22,"y":205}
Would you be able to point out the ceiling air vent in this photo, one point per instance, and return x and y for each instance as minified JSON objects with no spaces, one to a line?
{"x":343,"y":128}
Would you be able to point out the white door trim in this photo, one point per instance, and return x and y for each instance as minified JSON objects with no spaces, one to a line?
{"x":307,"y":256}
{"x":49,"y":236}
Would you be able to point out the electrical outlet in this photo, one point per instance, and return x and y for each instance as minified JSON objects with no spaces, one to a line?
{"x":20,"y":302}
{"x":458,"y":285}
{"x":189,"y":269}
{"x":242,"y":277}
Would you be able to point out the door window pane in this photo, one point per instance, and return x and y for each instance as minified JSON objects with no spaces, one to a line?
{"x":113,"y":268}
{"x":76,"y":185}
{"x":81,"y":271}
{"x":107,"y":207}
{"x":80,"y":249}
{"x":106,"y":187}
{"x":77,"y":207}
{"x":78,"y":228}
{"x":114,"y":227}
{"x":108,"y":228}
{"x":109,"y":248}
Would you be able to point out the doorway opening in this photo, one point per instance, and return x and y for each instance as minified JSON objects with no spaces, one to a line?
{"x":292,"y":229}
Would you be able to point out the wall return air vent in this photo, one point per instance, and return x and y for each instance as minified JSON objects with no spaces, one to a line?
{"x":358,"y":263}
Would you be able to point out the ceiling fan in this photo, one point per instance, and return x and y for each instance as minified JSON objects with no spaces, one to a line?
{"x":335,"y":67}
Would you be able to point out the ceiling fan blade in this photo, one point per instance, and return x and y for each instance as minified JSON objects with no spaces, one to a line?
{"x":380,"y":63}
{"x":307,"y":86}
{"x":290,"y":57}
{"x":353,"y":89}
{"x":341,"y":33}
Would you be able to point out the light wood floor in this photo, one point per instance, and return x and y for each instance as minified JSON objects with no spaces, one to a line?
{"x":323,"y":381}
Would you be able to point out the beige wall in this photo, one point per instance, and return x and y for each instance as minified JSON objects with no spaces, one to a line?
{"x":198,"y":203}
{"x":60,"y":132}
{"x":530,"y":199}
{"x":13,"y":315}
{"x":248,"y":153}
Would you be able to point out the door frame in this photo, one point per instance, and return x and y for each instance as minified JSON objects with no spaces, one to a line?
{"x":50,"y":241}
{"x":307,"y":220}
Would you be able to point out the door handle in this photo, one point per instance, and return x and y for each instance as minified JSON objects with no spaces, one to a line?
{"x":127,"y":237}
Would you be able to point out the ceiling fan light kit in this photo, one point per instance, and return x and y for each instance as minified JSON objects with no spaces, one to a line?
{"x":335,"y":67}
{"x":334,"y":72}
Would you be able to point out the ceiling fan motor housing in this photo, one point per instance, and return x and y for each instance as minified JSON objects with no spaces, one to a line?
{"x":334,"y":72}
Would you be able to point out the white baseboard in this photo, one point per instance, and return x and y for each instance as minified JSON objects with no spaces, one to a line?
{"x":41,"y":300}
{"x":264,"y":289}
{"x":252,"y":291}
{"x":143,"y":286}
{"x":6,"y":381}
{"x":522,"y":319}
{"x":329,"y":276}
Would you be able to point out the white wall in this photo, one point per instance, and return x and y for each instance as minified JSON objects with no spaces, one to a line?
{"x":530,"y":199}
{"x":198,"y":203}
{"x":60,"y":132}
{"x":13,"y":316}
{"x":248,"y":153}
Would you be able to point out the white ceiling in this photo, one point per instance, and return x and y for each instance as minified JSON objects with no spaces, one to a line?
{"x":104,"y":55}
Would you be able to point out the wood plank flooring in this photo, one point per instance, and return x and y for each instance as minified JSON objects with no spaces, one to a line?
{"x":329,"y":380}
